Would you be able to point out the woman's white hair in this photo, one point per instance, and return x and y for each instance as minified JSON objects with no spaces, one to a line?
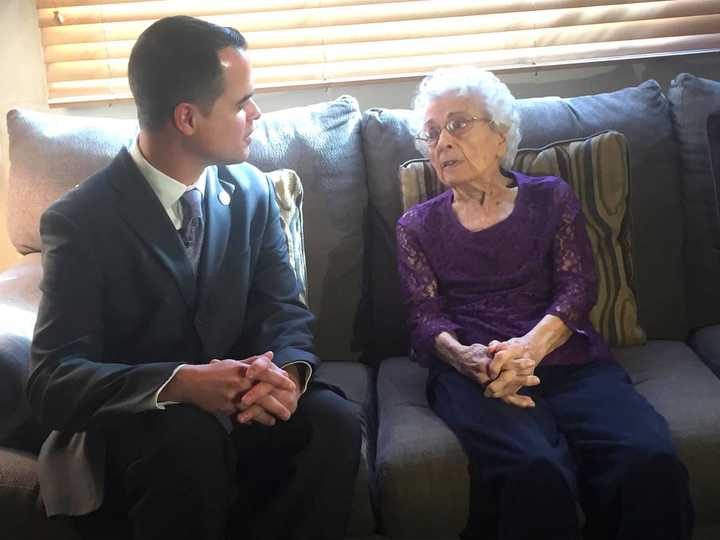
{"x":489,"y":91}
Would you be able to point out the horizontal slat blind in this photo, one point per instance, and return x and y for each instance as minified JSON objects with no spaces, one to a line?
{"x":320,"y":42}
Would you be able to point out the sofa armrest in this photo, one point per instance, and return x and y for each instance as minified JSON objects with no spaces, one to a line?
{"x":19,"y":298}
{"x":19,"y":291}
{"x":706,"y":343}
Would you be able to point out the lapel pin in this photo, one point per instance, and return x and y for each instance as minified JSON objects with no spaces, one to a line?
{"x":224,"y":198}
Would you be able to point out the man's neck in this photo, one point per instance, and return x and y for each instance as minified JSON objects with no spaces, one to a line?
{"x":168,"y":156}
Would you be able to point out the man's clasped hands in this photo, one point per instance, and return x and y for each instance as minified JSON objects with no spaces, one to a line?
{"x":250,"y":390}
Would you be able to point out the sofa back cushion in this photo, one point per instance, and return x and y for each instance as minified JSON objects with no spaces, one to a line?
{"x":597,"y":169}
{"x":322,"y":143}
{"x":50,"y":153}
{"x":713,"y":133}
{"x":692,"y":100}
{"x":388,"y":141}
{"x":640,"y":113}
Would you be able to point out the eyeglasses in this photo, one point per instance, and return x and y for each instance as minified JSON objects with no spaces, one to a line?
{"x":457,"y":126}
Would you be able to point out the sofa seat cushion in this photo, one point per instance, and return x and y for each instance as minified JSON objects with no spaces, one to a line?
{"x":684,"y":390}
{"x":21,"y":511}
{"x":421,"y":469}
{"x":357,"y":382}
{"x":423,"y":483}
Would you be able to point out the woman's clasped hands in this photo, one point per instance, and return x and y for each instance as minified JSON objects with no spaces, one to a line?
{"x":503,"y":367}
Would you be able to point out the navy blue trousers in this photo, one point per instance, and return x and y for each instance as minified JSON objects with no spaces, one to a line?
{"x":592,"y":446}
{"x":177,"y":474}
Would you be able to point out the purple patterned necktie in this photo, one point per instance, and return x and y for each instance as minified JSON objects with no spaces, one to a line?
{"x":193,"y":227}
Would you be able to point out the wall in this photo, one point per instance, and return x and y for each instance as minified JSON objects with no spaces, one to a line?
{"x":22,"y":85}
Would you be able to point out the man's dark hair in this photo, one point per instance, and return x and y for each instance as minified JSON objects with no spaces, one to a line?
{"x":175,"y":60}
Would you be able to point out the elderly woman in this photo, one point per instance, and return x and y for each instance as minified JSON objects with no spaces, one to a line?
{"x":500,"y":279}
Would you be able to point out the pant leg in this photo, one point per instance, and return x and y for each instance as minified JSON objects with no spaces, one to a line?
{"x":303,"y":470}
{"x":633,"y":484}
{"x":522,"y":476}
{"x":171,"y":473}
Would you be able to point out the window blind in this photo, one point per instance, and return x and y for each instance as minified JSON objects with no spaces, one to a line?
{"x":321,"y":42}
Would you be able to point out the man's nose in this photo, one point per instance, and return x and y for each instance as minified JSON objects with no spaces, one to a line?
{"x":255,"y":112}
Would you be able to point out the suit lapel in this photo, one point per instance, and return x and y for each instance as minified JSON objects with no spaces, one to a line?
{"x":218,"y":198}
{"x":142,"y":210}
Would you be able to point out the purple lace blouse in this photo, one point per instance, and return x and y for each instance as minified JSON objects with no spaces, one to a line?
{"x":499,"y":282}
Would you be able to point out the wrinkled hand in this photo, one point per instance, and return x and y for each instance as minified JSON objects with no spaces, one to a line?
{"x":274,"y":396}
{"x":511,"y":368}
{"x":505,"y":352}
{"x":473,"y":361}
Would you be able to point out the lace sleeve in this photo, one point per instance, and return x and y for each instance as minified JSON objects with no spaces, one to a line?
{"x":426,"y":316}
{"x":574,"y":277}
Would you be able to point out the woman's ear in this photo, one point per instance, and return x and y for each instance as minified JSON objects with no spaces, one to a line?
{"x":502,"y":145}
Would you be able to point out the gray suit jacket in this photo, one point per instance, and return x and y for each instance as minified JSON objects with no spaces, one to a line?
{"x":121,"y":309}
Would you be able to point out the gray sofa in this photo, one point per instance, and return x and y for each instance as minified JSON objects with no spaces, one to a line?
{"x":413,"y":480}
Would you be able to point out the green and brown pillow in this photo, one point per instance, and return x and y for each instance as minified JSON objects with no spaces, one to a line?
{"x":289,"y":197}
{"x":597,"y":169}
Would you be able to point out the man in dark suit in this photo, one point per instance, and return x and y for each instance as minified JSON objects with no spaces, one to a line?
{"x":171,"y":350}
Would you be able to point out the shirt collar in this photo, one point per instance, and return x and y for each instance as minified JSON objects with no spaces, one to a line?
{"x":167,"y":189}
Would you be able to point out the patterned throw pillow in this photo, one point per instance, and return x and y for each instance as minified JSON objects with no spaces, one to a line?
{"x":597,"y":169}
{"x":289,"y":197}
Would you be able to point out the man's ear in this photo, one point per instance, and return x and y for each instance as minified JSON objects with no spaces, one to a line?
{"x":185,"y":118}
